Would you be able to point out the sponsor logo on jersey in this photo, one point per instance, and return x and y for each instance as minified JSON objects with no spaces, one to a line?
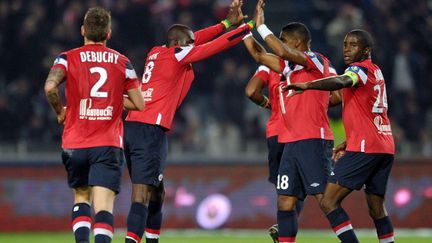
{"x":315,"y":184}
{"x":147,"y":94}
{"x":384,"y":129}
{"x":86,"y":111}
{"x":160,"y":177}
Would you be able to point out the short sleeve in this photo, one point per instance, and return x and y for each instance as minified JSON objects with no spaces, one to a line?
{"x":263,"y":73}
{"x":131,"y":77}
{"x":360,"y":71}
{"x":315,"y":61}
{"x":60,"y":62}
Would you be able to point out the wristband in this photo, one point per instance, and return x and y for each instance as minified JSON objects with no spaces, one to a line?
{"x":226,"y":23}
{"x":251,"y":24}
{"x":264,"y":31}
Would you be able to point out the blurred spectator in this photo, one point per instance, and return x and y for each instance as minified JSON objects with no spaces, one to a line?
{"x":216,"y":118}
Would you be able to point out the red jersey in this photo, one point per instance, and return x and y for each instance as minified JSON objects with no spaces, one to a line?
{"x":96,"y":78}
{"x":168,"y":73}
{"x":364,"y":111}
{"x":305,"y":116}
{"x":272,"y":80}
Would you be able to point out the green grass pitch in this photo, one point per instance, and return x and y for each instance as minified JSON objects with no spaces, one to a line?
{"x":225,"y":236}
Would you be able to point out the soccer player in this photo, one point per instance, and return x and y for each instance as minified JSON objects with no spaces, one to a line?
{"x":369,"y":142}
{"x":167,"y":78}
{"x":306,"y":159}
{"x":267,"y":78}
{"x":96,"y":78}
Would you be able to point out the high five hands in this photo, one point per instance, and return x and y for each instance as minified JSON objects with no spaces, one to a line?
{"x":259,"y":13}
{"x":235,"y":14}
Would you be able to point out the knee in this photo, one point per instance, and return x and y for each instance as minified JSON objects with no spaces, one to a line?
{"x":158,"y":193}
{"x":286,"y":203}
{"x":141,"y":194}
{"x":377,"y":213}
{"x":82,"y":195}
{"x":328,"y":205}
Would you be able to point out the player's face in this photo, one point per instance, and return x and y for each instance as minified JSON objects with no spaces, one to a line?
{"x":288,"y":40}
{"x":353,"y":49}
{"x":188,"y":39}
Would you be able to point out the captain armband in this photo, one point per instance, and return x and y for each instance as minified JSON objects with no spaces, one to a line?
{"x":353,"y":76}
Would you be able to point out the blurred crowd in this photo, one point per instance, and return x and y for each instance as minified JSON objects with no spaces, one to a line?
{"x":216,"y":118}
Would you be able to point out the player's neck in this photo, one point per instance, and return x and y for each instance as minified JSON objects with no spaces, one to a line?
{"x":90,"y":42}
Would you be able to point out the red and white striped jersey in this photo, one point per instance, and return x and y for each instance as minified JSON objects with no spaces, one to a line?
{"x":364,"y":111}
{"x":96,"y":79}
{"x":305,"y":115}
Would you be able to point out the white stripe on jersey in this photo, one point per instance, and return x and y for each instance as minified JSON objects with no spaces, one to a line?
{"x":263,"y":68}
{"x":362,"y":145}
{"x":61,"y":61}
{"x":332,"y":71}
{"x":185,"y":50}
{"x":130,"y":73}
{"x":315,"y":60}
{"x":363,"y":75}
{"x":159,"y":118}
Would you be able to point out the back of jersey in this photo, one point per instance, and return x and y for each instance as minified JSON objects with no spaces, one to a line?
{"x":96,"y":78}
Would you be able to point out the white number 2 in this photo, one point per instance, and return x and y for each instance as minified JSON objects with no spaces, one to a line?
{"x":282,"y":182}
{"x":380,"y":102}
{"x":94,"y":92}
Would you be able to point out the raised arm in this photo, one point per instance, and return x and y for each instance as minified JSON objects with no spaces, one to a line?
{"x":277,"y":46}
{"x":233,"y":18}
{"x":55,"y":77}
{"x":201,"y":52}
{"x":261,"y":56}
{"x":255,"y":87}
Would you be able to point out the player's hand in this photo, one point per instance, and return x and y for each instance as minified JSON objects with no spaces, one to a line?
{"x":62,"y":116}
{"x":339,"y":151}
{"x":259,"y":13}
{"x":235,"y":14}
{"x":297,"y":87}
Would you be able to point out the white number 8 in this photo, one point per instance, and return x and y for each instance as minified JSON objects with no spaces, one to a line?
{"x":282,"y":182}
{"x":148,"y":72}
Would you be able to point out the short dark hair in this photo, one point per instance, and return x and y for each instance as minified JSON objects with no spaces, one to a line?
{"x":298,"y":29}
{"x":97,"y":23}
{"x":175,"y":31}
{"x":364,"y":37}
